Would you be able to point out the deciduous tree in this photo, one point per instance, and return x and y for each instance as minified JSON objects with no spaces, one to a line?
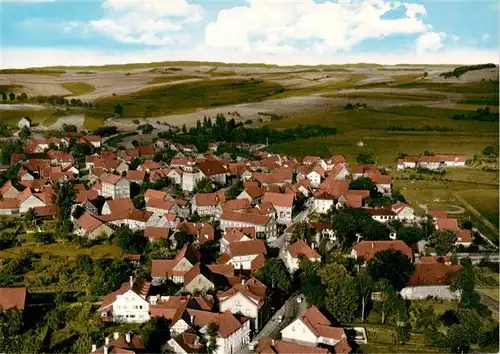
{"x":442,"y":241}
{"x":393,"y":266}
{"x":274,"y":274}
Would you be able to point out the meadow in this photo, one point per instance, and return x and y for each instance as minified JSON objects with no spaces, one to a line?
{"x":46,"y":116}
{"x":78,"y":88}
{"x":400,"y":95}
{"x":189,"y":97}
{"x":167,"y":79}
{"x":371,"y":126}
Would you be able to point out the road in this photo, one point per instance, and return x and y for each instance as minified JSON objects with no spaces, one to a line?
{"x":290,"y":310}
{"x":478,"y":257}
{"x":485,"y":238}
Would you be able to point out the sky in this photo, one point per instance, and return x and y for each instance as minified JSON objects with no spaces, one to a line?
{"x":93,"y":32}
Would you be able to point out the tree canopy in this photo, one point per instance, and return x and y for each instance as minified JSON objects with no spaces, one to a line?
{"x":443,"y":241}
{"x":393,"y":266}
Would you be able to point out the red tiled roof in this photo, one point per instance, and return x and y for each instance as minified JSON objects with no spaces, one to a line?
{"x":336,"y":187}
{"x":85,"y":195}
{"x":464,"y":236}
{"x":228,"y":324}
{"x":88,"y":222}
{"x":156,"y":233}
{"x":208,"y":199}
{"x":154,"y":194}
{"x":120,"y":205}
{"x":242,"y":248}
{"x":447,"y":224}
{"x":246,"y":217}
{"x":300,"y":247}
{"x":165,"y":205}
{"x":438,"y":214}
{"x":135,"y":175}
{"x":252,"y":289}
{"x":380,"y":211}
{"x":272,"y":346}
{"x":433,"y":274}
{"x":211,"y":168}
{"x":320,"y":325}
{"x":13,"y":297}
{"x":111,"y":179}
{"x":280,"y":200}
{"x":236,"y":204}
{"x":9,"y":203}
{"x":368,"y":249}
{"x":234,"y":234}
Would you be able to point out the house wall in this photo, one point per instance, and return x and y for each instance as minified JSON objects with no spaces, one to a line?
{"x":406,"y":214}
{"x":179,"y":327}
{"x":315,"y":179}
{"x":9,"y":211}
{"x":11,"y":193}
{"x":423,"y":292}
{"x":243,"y":262}
{"x":134,"y":225}
{"x":323,"y":205}
{"x":199,"y":283}
{"x":31,"y":202}
{"x":130,"y":308}
{"x":101,"y":230}
{"x":241,"y":304}
{"x":235,"y":341}
{"x":269,"y":229}
{"x":189,"y":180}
{"x":284,"y":215}
{"x":297,"y":331}
{"x":383,"y":218}
{"x":244,"y":195}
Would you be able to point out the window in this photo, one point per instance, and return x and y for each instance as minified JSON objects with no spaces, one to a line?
{"x":132,"y":316}
{"x":293,"y":329}
{"x":140,"y":307}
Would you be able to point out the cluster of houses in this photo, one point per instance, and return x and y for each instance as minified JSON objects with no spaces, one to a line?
{"x":431,"y":162}
{"x":270,"y":189}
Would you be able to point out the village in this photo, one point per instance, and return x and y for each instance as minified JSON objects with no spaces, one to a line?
{"x":241,"y":237}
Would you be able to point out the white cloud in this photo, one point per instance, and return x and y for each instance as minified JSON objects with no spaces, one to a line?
{"x":328,"y":26}
{"x":38,"y":57}
{"x":485,"y":37}
{"x":430,"y":42}
{"x":455,"y":38}
{"x":149,"y":23}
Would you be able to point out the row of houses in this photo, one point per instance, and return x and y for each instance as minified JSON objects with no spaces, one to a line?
{"x":431,"y":162}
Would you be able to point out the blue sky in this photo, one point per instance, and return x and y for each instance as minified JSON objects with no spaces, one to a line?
{"x":275,"y":31}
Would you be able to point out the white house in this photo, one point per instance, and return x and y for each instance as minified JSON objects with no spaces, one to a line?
{"x":190,"y":176}
{"x":262,"y":223}
{"x":404,"y":212}
{"x":248,"y":299}
{"x":314,"y":328}
{"x":24,"y":122}
{"x":207,"y":204}
{"x":28,"y":200}
{"x":244,"y":255}
{"x":382,"y":215}
{"x":91,"y":227}
{"x":323,"y":201}
{"x":232,"y":334}
{"x":297,"y":249}
{"x":115,"y":187}
{"x":408,"y":162}
{"x":213,"y":170}
{"x":431,"y":280}
{"x":126,"y":305}
{"x":283,"y":204}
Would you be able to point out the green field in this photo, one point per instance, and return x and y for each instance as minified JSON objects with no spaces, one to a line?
{"x":10,"y":88}
{"x":371,"y":127}
{"x":188,"y":97}
{"x":485,"y":201}
{"x":92,"y":123}
{"x":166,"y":79}
{"x":12,"y":116}
{"x":78,"y":88}
{"x":400,"y":95}
{"x":32,"y":71}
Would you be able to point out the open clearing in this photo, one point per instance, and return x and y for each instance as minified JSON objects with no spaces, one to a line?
{"x":78,"y":88}
{"x":65,"y":250}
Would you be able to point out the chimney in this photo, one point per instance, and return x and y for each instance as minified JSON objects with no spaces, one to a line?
{"x":94,"y":348}
{"x":116,"y":335}
{"x":272,"y":342}
{"x":105,"y":349}
{"x":373,"y":244}
{"x":242,"y":281}
{"x":131,"y":281}
{"x":127,"y":337}
{"x":106,"y":341}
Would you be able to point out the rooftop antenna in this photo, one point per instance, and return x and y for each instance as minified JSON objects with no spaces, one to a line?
{"x":267,"y":142}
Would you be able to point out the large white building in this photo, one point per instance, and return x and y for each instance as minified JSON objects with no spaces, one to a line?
{"x":126,"y":305}
{"x":114,"y":186}
{"x":283,"y":204}
{"x":262,"y":223}
{"x":431,"y":280}
{"x":248,"y":299}
{"x":295,"y":251}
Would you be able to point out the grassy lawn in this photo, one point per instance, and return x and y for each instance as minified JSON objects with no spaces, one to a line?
{"x":78,"y":88}
{"x":12,"y":116}
{"x":65,"y":250}
{"x":485,"y":277}
{"x":491,"y":292}
{"x":166,"y":79}
{"x":10,"y":88}
{"x":440,"y":307}
{"x":403,"y":96}
{"x":188,"y":97}
{"x":485,"y":201}
{"x":380,"y":341}
{"x":92,"y":123}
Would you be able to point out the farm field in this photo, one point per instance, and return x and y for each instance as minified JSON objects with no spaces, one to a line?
{"x":188,"y":97}
{"x":92,"y":123}
{"x":78,"y":88}
{"x":485,"y":201}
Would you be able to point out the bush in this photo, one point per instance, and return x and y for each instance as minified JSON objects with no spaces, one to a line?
{"x":44,"y":237}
